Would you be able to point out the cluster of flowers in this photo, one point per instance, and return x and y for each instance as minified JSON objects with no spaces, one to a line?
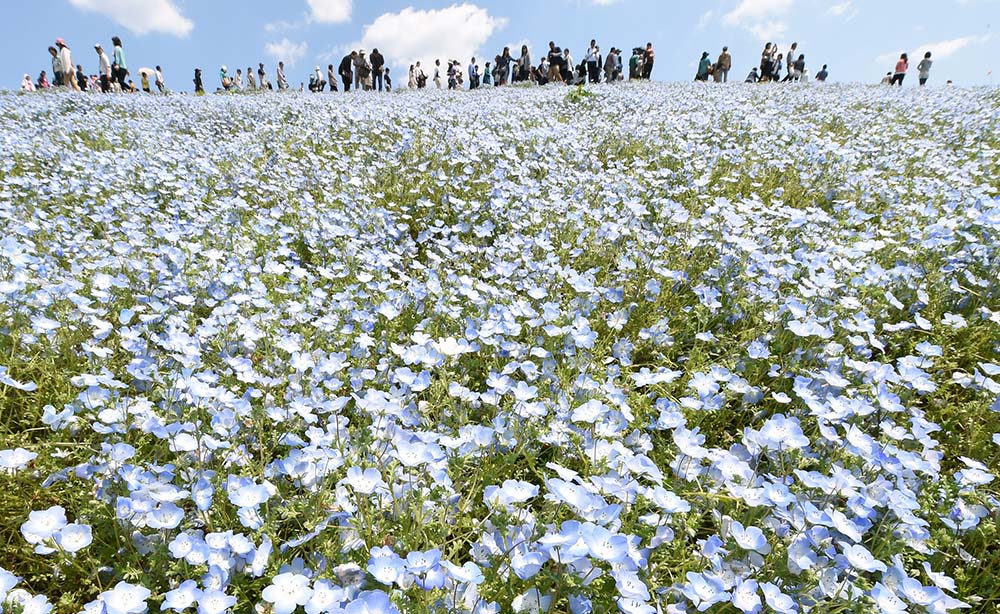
{"x":481,"y":355}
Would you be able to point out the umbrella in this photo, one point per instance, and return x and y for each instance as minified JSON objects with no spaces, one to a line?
{"x":146,"y":71}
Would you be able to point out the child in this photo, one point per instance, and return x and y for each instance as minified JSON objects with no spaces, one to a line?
{"x":388,"y":81}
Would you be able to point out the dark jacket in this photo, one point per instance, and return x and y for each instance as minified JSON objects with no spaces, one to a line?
{"x":346,"y":67}
{"x":377,"y":61}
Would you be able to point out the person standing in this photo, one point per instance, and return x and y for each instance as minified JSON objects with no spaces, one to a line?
{"x":378,"y":63}
{"x":411,"y":79}
{"x":822,"y":75}
{"x":359,"y":64}
{"x":524,"y":64}
{"x":722,"y":66}
{"x":789,"y":59}
{"x":160,"y":85}
{"x":346,"y":70}
{"x":144,"y":80}
{"x":924,"y":68}
{"x":81,"y":79}
{"x":437,"y":73}
{"x":555,"y":58}
{"x":473,"y":75}
{"x":487,"y":75}
{"x":251,"y":80}
{"x":901,"y":67}
{"x":199,"y":88}
{"x":104,"y":68}
{"x":798,"y":67}
{"x":280,"y":77}
{"x":704,"y":66}
{"x":238,"y":79}
{"x":647,"y":61}
{"x":331,"y":76}
{"x":420,"y":76}
{"x":634,"y":72}
{"x":591,"y":59}
{"x":121,"y":68}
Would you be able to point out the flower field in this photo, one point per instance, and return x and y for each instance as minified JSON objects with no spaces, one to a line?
{"x":653,"y":348}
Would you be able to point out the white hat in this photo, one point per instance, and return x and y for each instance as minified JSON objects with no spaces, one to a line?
{"x":98,"y":46}
{"x":224,"y":67}
{"x":361,"y":51}
{"x":317,"y":68}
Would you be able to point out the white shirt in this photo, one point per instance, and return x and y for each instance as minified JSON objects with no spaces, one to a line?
{"x":592,"y":54}
{"x":105,"y":64}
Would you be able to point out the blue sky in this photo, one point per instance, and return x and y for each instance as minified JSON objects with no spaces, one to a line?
{"x":859,"y":39}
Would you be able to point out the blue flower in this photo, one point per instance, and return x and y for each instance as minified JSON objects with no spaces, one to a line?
{"x":287,"y":591}
{"x":126,"y":598}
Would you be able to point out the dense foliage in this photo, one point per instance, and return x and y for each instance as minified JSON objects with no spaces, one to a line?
{"x":652,"y":349}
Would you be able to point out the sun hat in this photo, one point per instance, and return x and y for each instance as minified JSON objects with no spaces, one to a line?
{"x":98,"y":46}
{"x":60,"y":41}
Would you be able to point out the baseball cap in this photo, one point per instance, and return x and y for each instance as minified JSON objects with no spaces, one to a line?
{"x":98,"y":46}
{"x":60,"y":41}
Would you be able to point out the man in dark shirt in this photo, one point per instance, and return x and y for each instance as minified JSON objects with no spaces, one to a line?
{"x":647,"y":64}
{"x":378,"y":62}
{"x":346,"y":70}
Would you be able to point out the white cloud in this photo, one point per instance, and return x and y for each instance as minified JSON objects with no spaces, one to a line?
{"x":287,"y":51}
{"x":762,"y":18}
{"x":840,"y":9}
{"x":705,"y":20}
{"x":750,"y":11}
{"x":939,"y":50}
{"x":330,"y":11}
{"x":455,"y":32}
{"x":141,"y":16}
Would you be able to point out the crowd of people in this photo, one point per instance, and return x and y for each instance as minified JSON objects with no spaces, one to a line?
{"x":112,"y":75}
{"x":371,"y":72}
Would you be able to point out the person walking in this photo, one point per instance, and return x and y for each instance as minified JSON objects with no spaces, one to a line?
{"x":723,"y":65}
{"x":346,"y":70}
{"x":610,"y":66}
{"x":251,"y":80}
{"x":104,"y":68}
{"x":238,"y":79}
{"x":411,"y":79}
{"x":57,"y":67}
{"x":420,"y":76}
{"x":280,"y":77}
{"x":437,"y":73}
{"x":160,"y":85}
{"x":902,"y":66}
{"x":704,"y":67}
{"x":262,"y":77}
{"x":647,"y":61}
{"x":364,"y":71}
{"x":924,"y":69}
{"x":121,"y":68}
{"x":378,"y":63}
{"x":199,"y":88}
{"x":555,"y":60}
{"x":822,"y":75}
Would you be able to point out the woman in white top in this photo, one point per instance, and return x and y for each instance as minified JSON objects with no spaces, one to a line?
{"x":412,"y":81}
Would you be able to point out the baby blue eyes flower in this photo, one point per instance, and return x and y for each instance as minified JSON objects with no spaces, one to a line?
{"x":777,"y":600}
{"x":287,"y":591}
{"x":182,"y":597}
{"x":745,"y":597}
{"x":750,"y":538}
{"x":365,"y":481}
{"x":782,"y":433}
{"x":371,"y":602}
{"x":126,"y":598}
{"x":214,"y":601}
{"x":74,"y":537}
{"x":43,"y":524}
{"x":861,"y":559}
{"x":704,"y":590}
{"x":12,"y":461}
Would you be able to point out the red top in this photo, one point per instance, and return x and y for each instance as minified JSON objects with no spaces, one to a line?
{"x":901,"y":66}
